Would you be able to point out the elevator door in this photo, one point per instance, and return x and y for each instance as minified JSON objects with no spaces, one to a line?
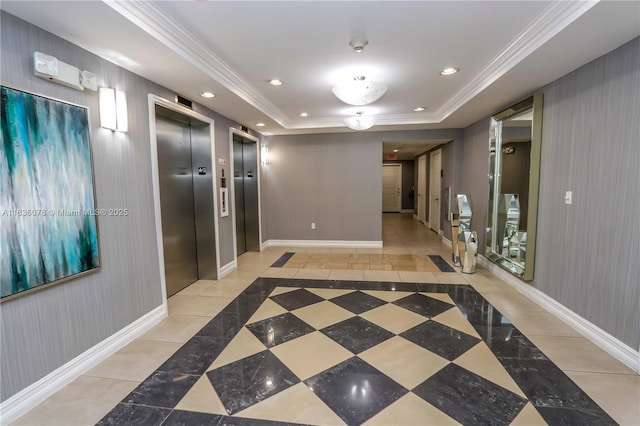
{"x":245,"y":165}
{"x":176,"y":203}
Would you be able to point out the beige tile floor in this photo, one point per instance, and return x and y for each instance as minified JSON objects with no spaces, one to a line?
{"x":612,"y":385}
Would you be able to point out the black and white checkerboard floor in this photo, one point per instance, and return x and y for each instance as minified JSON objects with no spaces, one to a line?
{"x":345,"y":352}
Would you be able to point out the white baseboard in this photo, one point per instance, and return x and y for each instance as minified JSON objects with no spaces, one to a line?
{"x":415,"y":216}
{"x":34,"y":394}
{"x":264,"y":245}
{"x":406,"y":211}
{"x":323,"y":243}
{"x":227,"y":269}
{"x":446,"y":241}
{"x":610,"y":344}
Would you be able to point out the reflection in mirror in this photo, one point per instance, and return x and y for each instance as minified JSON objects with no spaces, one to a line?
{"x":514,"y":168}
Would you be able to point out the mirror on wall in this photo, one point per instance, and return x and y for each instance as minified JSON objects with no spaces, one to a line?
{"x":514,"y":171}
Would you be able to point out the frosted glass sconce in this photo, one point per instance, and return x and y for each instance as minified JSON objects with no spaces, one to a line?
{"x":264,"y":154}
{"x":113,"y":110}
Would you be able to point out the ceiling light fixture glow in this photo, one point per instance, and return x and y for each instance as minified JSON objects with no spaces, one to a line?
{"x":303,"y":114}
{"x":449,"y":71}
{"x":208,"y":95}
{"x":260,"y":124}
{"x":359,"y":121}
{"x":395,"y":150}
{"x":275,"y":82}
{"x":418,"y":109}
{"x":360,"y":91}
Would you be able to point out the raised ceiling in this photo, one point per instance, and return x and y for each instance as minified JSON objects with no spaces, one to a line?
{"x":504,"y":50}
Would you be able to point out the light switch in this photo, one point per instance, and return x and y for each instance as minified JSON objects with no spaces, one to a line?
{"x":568,"y":197}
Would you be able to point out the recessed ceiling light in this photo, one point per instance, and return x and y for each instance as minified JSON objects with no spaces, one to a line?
{"x":449,"y":71}
{"x":260,"y":124}
{"x":418,"y":109}
{"x":303,"y":114}
{"x":275,"y":82}
{"x":208,"y":95}
{"x":395,"y":150}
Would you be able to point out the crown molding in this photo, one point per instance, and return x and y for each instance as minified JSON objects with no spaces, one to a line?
{"x":553,"y":19}
{"x":164,"y":29}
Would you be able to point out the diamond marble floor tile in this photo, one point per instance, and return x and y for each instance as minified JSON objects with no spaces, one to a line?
{"x":298,"y":351}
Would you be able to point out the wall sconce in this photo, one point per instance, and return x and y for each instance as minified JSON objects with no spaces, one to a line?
{"x":264,"y":154}
{"x":113,"y":110}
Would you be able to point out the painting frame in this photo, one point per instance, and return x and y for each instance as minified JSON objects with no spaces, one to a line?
{"x":66,"y":208}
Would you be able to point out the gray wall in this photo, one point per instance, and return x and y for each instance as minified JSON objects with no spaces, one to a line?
{"x":332,"y":179}
{"x":587,"y":253}
{"x":43,"y":330}
{"x":408,"y":182}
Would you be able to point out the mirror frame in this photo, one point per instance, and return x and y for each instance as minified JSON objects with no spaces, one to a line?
{"x":495,"y":147}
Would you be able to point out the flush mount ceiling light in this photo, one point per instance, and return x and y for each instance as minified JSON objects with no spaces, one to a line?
{"x":275,"y":82}
{"x":359,"y":121}
{"x":260,"y":124}
{"x":303,"y":114}
{"x":360,"y":91}
{"x":208,"y":95}
{"x":358,"y":45}
{"x":418,"y":109}
{"x":449,"y":71}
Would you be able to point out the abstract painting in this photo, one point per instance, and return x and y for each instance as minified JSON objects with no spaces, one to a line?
{"x":48,"y":223}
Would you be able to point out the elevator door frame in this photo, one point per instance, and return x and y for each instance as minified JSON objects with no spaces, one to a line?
{"x":232,"y":196}
{"x":153,"y":101}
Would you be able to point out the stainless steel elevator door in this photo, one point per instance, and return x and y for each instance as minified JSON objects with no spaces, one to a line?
{"x":245,"y":165}
{"x":176,"y":203}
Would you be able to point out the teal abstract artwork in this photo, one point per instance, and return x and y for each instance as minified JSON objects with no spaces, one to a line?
{"x":48,"y":226}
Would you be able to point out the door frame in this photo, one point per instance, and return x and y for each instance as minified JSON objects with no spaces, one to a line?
{"x":421,"y":202}
{"x":154,"y":100}
{"x":232,"y":186}
{"x":432,"y":185}
{"x":399,"y":186}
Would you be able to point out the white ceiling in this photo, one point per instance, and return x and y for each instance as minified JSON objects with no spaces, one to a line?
{"x":504,"y":51}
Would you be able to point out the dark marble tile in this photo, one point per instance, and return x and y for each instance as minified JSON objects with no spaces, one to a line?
{"x":161,"y":389}
{"x":546,"y":385}
{"x":434,"y":288}
{"x":387,"y":286}
{"x":191,"y":418}
{"x":464,"y":295}
{"x":250,"y":380}
{"x":423,"y":305}
{"x":441,"y":263}
{"x":130,"y":414}
{"x":358,"y":302}
{"x":223,"y":327}
{"x":508,"y":342}
{"x":445,"y":341}
{"x":282,"y":260}
{"x":296,"y":299}
{"x":353,"y":285}
{"x":357,"y":334}
{"x":279,"y":329}
{"x":194,"y":356}
{"x":355,"y":390}
{"x":570,"y":416}
{"x":240,"y":421}
{"x":482,"y":315}
{"x":469,"y":398}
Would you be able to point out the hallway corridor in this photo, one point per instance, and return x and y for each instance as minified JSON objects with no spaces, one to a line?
{"x":303,"y":342}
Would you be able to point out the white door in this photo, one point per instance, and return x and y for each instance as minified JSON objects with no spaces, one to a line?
{"x":435,"y":167}
{"x":391,"y":188}
{"x":422,"y":189}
